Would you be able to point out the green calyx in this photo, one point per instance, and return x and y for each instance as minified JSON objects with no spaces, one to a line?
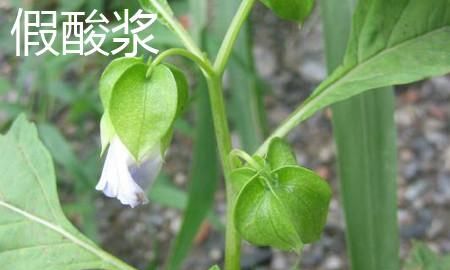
{"x":141,"y":109}
{"x":279,"y":203}
{"x":294,"y":10}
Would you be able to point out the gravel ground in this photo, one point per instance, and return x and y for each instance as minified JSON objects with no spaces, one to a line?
{"x":292,"y":68}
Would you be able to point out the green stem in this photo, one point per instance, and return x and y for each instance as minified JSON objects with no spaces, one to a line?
{"x":177,"y":28}
{"x":203,"y":63}
{"x":232,"y":239}
{"x":214,"y":80}
{"x":247,"y":158}
{"x":231,"y":35}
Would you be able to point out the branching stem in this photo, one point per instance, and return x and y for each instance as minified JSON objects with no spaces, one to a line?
{"x":203,"y":64}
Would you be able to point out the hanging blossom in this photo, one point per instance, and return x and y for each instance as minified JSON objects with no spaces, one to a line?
{"x":125,"y":180}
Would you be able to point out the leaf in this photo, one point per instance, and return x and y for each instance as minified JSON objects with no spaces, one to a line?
{"x":295,"y":10}
{"x":285,"y":211}
{"x":215,"y":267}
{"x":364,"y":131}
{"x":160,"y":7}
{"x":422,"y":258}
{"x":143,"y":110}
{"x":34,"y":230}
{"x":392,"y":42}
{"x":80,"y":171}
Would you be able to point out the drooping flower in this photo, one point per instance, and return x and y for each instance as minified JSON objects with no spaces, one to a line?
{"x":125,"y":180}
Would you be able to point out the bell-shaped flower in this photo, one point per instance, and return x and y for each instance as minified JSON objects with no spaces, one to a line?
{"x":125,"y":180}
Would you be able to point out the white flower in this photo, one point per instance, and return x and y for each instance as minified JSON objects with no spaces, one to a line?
{"x":117,"y":179}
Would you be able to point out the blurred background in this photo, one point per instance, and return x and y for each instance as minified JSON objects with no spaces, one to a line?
{"x":275,"y":66}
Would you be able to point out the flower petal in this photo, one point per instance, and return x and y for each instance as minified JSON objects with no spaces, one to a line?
{"x":116,"y":180}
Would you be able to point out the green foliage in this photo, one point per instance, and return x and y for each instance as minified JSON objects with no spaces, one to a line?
{"x":142,"y":110}
{"x":423,"y":258}
{"x":398,"y":44}
{"x":31,"y":218}
{"x":295,"y":10}
{"x":365,"y":135}
{"x":281,"y":204}
{"x":160,"y":7}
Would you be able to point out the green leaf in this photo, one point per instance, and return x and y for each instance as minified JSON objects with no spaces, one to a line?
{"x":215,"y":267}
{"x":285,"y":211}
{"x":153,"y":6}
{"x":34,"y":230}
{"x":364,"y":131}
{"x":142,"y":110}
{"x":280,"y":154}
{"x":295,"y":10}
{"x":423,"y":258}
{"x":392,"y":42}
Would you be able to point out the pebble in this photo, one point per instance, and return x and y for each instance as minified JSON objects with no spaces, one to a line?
{"x":413,"y":191}
{"x":265,"y":61}
{"x":404,"y":217}
{"x":441,"y":84}
{"x":446,"y":158}
{"x":443,"y":188}
{"x":420,"y":226}
{"x":279,"y":262}
{"x":333,"y":263}
{"x":313,"y":256}
{"x":215,"y":254}
{"x":312,"y":71}
{"x":180,"y":179}
{"x":404,"y":117}
{"x":435,"y":229}
{"x":175,"y":224}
